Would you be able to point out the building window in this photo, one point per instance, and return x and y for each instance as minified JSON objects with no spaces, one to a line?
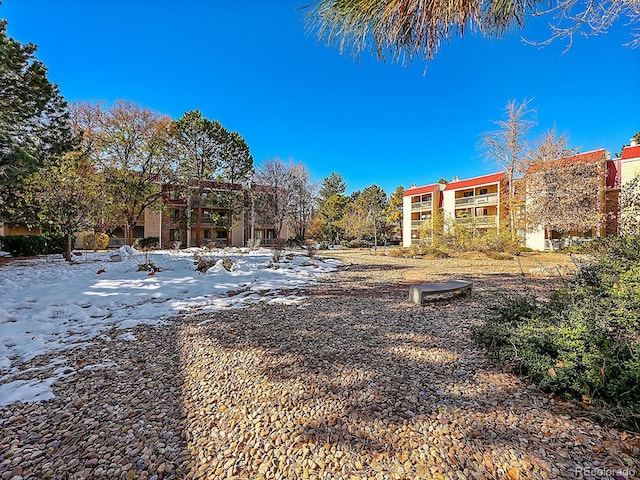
{"x":207,"y":234}
{"x":467,"y":194}
{"x":483,"y":191}
{"x":174,"y":234}
{"x":175,"y":214}
{"x":221,"y":234}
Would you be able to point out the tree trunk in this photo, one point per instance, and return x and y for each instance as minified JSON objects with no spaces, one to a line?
{"x":129,"y":239}
{"x":198,"y":219}
{"x":67,"y":253}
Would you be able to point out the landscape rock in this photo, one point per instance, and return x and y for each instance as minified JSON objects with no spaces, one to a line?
{"x":355,"y":383}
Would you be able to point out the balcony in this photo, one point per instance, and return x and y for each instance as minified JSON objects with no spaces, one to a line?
{"x":488,"y":199}
{"x":481,"y":221}
{"x":421,"y":205}
{"x":418,"y":223}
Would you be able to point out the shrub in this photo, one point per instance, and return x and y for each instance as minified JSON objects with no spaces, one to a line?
{"x":95,"y":241}
{"x":311,"y":247}
{"x":583,"y":342}
{"x":462,"y":238}
{"x":359,"y":244}
{"x":148,"y":266}
{"x":253,"y":243}
{"x":398,"y":252}
{"x":33,"y":245}
{"x":149,"y":242}
{"x":498,"y":242}
{"x":279,"y":247}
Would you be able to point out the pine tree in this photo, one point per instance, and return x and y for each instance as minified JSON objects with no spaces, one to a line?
{"x":34,"y":121}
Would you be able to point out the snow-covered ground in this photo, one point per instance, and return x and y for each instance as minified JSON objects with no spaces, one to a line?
{"x":48,"y":305}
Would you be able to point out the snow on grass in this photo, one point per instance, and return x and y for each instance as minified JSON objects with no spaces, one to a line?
{"x":48,"y":306}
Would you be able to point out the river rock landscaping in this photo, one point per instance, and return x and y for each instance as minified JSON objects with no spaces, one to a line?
{"x":353,"y":382}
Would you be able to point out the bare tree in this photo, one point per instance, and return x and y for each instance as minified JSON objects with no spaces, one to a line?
{"x":303,"y":201}
{"x":564,"y":190}
{"x":277,"y":177}
{"x":508,"y":146}
{"x":590,"y":18}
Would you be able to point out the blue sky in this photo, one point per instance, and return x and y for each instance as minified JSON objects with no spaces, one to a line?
{"x":251,"y":65}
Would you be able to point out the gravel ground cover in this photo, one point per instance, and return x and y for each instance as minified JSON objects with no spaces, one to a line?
{"x":356,"y":382}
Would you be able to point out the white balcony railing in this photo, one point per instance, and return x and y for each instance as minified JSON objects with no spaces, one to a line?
{"x":418,"y":223}
{"x":422,"y":205}
{"x":488,"y":199}
{"x":481,"y":221}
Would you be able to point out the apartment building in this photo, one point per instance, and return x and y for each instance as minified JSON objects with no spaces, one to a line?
{"x":478,"y":203}
{"x":214,"y":214}
{"x":473,"y":203}
{"x":419,"y":207}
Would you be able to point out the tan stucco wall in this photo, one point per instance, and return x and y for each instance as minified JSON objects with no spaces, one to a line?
{"x":151,"y":223}
{"x":630,"y":169}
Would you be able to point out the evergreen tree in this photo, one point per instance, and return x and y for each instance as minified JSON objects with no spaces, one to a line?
{"x":197,"y":144}
{"x":332,"y":203}
{"x":236,"y":165}
{"x":331,"y":185}
{"x":331,"y":214}
{"x":67,"y":193}
{"x":394,"y":212}
{"x":34,"y":121}
{"x":404,"y":29}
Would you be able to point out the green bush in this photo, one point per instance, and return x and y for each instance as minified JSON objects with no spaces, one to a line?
{"x":149,"y":242}
{"x":583,"y":342}
{"x":33,"y":245}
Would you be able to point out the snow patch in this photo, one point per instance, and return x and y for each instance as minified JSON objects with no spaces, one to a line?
{"x":57,"y":306}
